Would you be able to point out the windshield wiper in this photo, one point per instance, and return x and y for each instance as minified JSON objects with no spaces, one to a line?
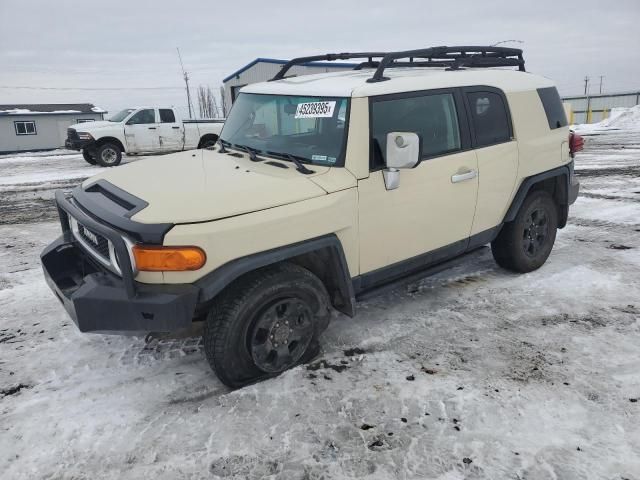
{"x":296,"y":159}
{"x":223,"y":144}
{"x":251,"y":151}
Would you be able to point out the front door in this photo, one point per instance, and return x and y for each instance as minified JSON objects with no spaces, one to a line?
{"x":429,"y":216}
{"x":141,"y":131}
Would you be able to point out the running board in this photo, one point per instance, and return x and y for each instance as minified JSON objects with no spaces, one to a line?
{"x":427,"y":272}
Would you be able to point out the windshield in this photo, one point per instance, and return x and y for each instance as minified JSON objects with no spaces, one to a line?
{"x":313,"y":129}
{"x":121,"y":115}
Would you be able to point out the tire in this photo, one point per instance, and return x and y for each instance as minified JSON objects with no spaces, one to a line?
{"x":87,"y":156}
{"x":524,"y":244}
{"x":284,"y":303}
{"x":108,"y":155}
{"x":208,"y":143}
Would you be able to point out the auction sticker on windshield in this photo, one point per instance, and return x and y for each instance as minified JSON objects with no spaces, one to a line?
{"x":315,"y":109}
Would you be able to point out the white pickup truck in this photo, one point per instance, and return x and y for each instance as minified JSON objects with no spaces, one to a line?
{"x":140,"y":130}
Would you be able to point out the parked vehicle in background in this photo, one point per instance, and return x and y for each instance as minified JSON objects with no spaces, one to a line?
{"x":140,"y":130}
{"x":325,"y":188}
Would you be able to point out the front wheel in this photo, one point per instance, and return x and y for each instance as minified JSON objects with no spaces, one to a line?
{"x":88,"y":157}
{"x":524,"y":244}
{"x":265,"y":323}
{"x":108,"y":155}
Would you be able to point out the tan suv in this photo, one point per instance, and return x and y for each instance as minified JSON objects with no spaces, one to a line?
{"x":322,"y":189}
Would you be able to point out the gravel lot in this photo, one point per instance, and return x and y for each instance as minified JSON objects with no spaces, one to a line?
{"x":474,"y":373}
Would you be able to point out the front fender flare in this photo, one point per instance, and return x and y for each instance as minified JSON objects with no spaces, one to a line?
{"x":343,"y":296}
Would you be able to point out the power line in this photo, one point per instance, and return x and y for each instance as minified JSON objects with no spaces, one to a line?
{"x":23,"y":87}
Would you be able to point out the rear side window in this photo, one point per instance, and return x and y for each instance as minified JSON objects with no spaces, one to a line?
{"x":552,"y":104}
{"x":167,"y":116}
{"x":490,"y":118}
{"x":432,"y":117}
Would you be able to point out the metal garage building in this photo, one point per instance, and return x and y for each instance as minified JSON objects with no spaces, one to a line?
{"x":262,"y":69}
{"x":41,"y":126}
{"x":594,"y":108}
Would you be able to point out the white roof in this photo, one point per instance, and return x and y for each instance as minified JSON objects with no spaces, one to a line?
{"x":353,"y":83}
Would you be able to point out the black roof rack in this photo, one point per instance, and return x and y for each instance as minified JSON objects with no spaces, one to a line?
{"x":451,"y":57}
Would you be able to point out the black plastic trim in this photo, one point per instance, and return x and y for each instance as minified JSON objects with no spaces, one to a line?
{"x":529,"y":182}
{"x":114,"y":206}
{"x":213,"y":283}
{"x":66,"y":208}
{"x":404,"y":268}
{"x":98,"y":301}
{"x":420,"y":265}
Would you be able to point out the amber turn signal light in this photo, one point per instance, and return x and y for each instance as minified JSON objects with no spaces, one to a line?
{"x":151,"y":258}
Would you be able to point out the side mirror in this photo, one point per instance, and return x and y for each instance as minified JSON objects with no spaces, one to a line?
{"x":404,"y":150}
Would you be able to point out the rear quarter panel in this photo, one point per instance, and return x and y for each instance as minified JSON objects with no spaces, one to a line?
{"x":539,"y":148}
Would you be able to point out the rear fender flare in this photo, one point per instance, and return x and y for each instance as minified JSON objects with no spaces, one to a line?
{"x":561,"y":174}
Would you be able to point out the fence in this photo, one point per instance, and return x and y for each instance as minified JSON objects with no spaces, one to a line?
{"x":594,"y":108}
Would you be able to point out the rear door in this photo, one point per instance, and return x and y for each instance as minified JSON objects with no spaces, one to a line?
{"x":141,"y":131}
{"x":429,"y":216}
{"x":497,"y":152}
{"x":170,"y":132}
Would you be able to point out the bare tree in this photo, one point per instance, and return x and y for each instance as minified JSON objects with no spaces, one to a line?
{"x":207,"y":103}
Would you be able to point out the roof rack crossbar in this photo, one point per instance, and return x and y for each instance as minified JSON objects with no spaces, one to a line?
{"x":328,"y":57}
{"x":450,"y":57}
{"x":454,"y":57}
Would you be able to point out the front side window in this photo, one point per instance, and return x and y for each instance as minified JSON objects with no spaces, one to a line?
{"x":25,"y":128}
{"x":490,"y":118}
{"x":433,"y":117}
{"x":310,"y":128}
{"x":121,"y":115}
{"x":143,"y":117}
{"x":167,"y":115}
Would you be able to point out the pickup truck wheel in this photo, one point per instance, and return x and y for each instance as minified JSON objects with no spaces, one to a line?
{"x":265,"y":323}
{"x":108,"y":155}
{"x":87,"y":156}
{"x":209,"y":143}
{"x":525,"y":244}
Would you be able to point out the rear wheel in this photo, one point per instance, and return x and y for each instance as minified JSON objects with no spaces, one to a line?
{"x":88,"y":157}
{"x":525,"y":244}
{"x":108,"y":155}
{"x":265,"y":323}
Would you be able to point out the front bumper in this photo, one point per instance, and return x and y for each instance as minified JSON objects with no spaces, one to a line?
{"x":97,"y":300}
{"x":77,"y":144}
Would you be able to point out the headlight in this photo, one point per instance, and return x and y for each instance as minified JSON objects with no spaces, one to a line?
{"x":84,"y":136}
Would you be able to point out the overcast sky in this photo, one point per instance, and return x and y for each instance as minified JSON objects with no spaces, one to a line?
{"x":131,"y":45}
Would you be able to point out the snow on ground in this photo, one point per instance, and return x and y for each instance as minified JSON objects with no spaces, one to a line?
{"x":474,"y":373}
{"x":619,"y":119}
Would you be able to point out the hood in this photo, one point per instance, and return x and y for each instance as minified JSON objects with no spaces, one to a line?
{"x":203,"y":185}
{"x":84,"y":127}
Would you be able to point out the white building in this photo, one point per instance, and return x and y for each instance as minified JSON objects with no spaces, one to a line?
{"x":263,"y":69}
{"x":41,"y":126}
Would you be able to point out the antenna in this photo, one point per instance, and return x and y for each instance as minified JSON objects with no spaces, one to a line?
{"x":186,"y":81}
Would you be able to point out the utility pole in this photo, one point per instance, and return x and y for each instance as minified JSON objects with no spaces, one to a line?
{"x":186,"y":81}
{"x":586,"y":85}
{"x":601,"y":77}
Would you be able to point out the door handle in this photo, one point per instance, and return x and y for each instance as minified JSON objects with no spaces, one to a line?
{"x":461,"y":177}
{"x":152,"y":128}
{"x":175,"y":128}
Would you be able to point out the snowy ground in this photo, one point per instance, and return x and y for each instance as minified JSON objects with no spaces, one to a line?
{"x":475,"y":373}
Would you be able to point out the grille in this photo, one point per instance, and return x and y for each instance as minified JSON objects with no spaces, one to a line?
{"x":95,"y":241}
{"x":72,"y":134}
